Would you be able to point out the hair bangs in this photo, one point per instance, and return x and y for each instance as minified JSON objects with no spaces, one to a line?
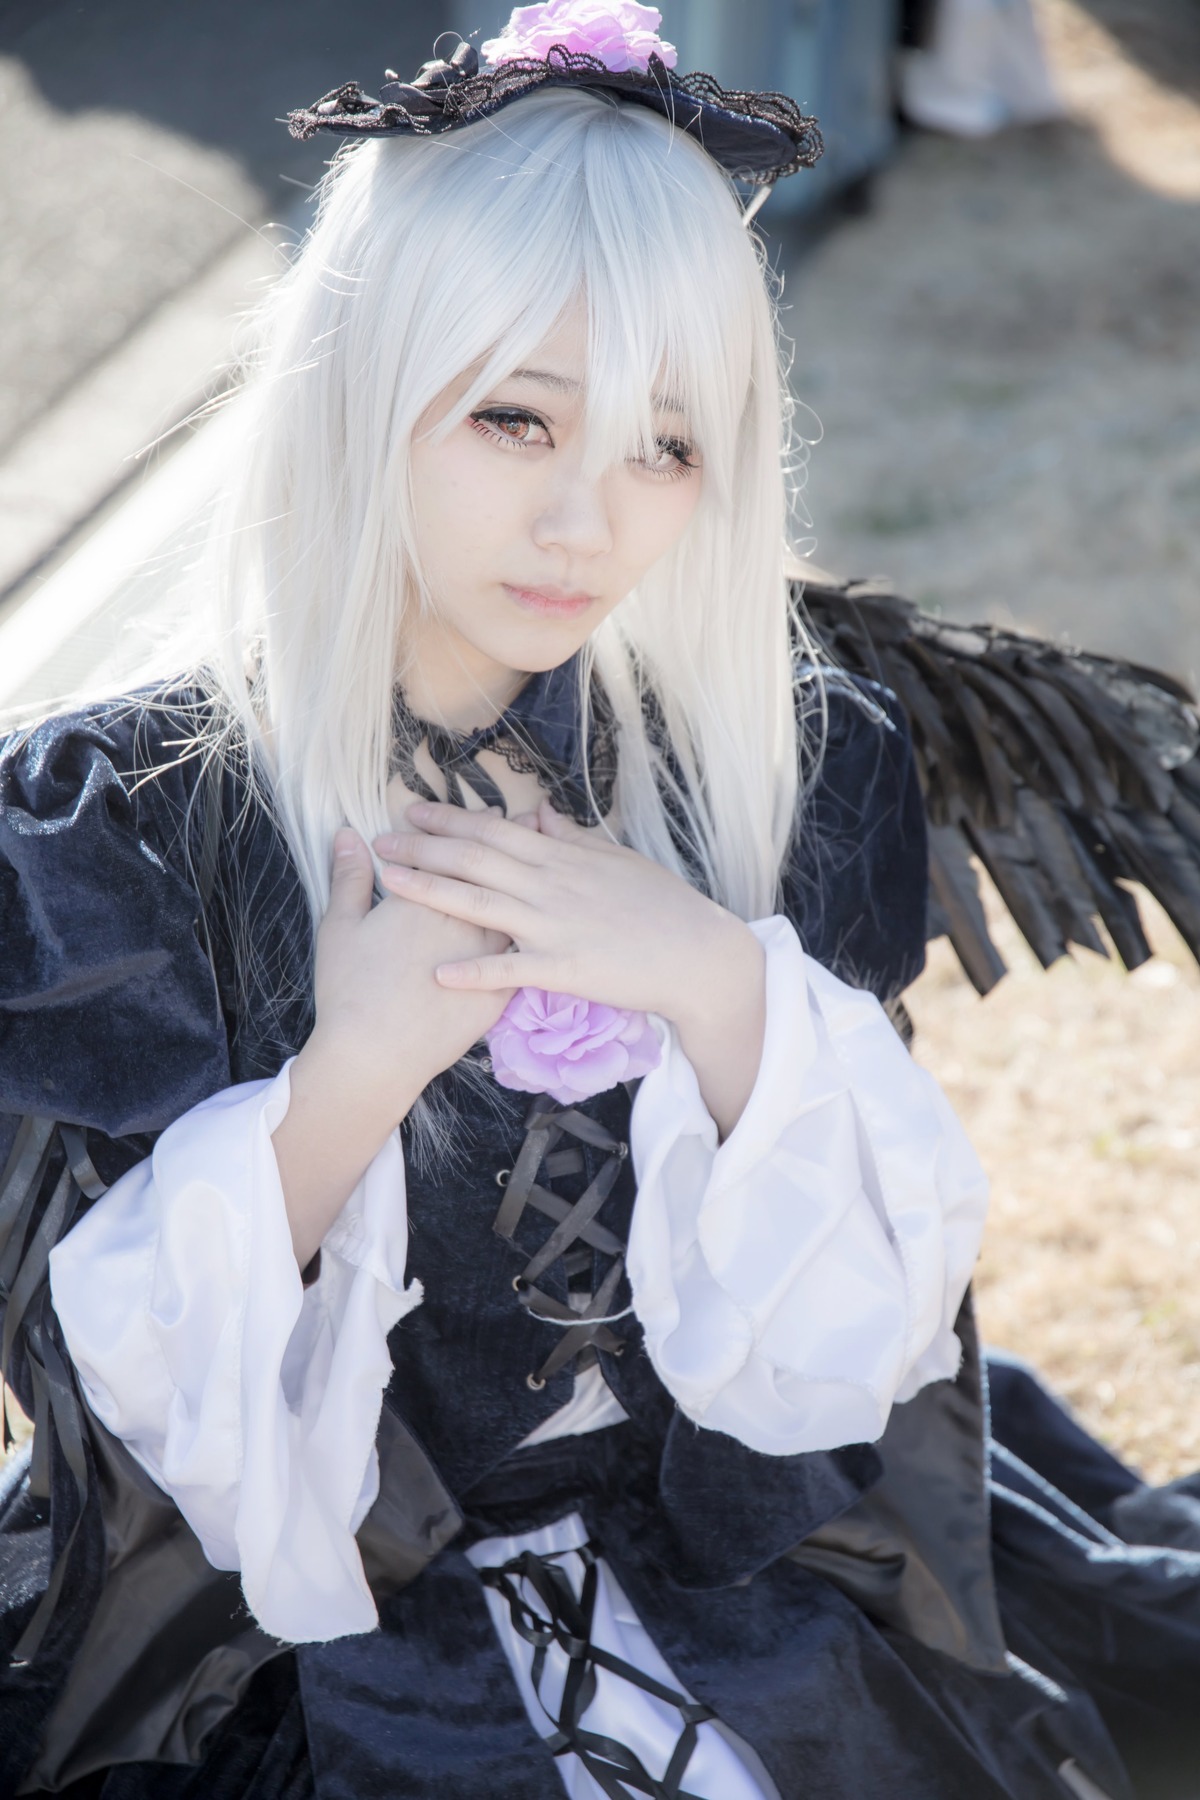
{"x":663,"y":336}
{"x":597,"y":204}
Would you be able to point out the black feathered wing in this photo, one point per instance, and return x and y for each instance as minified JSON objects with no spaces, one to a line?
{"x":1066,"y":774}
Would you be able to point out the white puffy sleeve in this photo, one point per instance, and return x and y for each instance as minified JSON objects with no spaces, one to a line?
{"x":798,"y":1279}
{"x":252,"y":1400}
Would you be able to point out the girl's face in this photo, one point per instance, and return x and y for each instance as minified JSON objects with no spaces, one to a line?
{"x":524,"y":552}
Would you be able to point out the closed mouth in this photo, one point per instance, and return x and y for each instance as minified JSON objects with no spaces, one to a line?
{"x":553,"y":601}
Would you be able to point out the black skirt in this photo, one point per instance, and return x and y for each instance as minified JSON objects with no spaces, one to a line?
{"x":1098,"y":1579}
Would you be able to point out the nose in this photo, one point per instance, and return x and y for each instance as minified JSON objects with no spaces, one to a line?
{"x":574,"y":517}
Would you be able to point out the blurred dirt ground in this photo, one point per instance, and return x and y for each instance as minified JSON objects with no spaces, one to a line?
{"x":1004,"y":354}
{"x":1077,"y":1086}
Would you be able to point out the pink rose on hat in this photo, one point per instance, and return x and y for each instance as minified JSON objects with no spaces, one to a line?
{"x":620,"y":33}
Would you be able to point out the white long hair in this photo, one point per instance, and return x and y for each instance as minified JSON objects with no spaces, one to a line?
{"x":433,"y":256}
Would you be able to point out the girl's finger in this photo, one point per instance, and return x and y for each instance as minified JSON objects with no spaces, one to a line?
{"x":352,"y":877}
{"x":490,"y":973}
{"x":463,"y":858}
{"x":458,"y":899}
{"x":557,"y":825}
{"x":480,"y":828}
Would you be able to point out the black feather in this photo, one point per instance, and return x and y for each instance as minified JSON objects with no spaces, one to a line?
{"x":956,"y":908}
{"x":1065,"y":774}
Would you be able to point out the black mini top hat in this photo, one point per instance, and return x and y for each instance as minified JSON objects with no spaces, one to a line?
{"x":755,"y":137}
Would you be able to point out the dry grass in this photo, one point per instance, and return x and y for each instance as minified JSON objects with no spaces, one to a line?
{"x":1078,"y":1088}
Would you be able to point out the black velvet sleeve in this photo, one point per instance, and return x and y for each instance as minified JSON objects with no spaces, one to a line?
{"x":857,"y":881}
{"x":110,"y":1028}
{"x":109,"y":1016}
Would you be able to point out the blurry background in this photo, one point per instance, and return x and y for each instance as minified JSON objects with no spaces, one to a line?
{"x":996,"y":315}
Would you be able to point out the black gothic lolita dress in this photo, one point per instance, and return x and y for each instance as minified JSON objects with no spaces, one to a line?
{"x":982,"y":1604}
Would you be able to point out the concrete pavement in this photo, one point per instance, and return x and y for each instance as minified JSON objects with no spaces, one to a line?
{"x":141,"y":167}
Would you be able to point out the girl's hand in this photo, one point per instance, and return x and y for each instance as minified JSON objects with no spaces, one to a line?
{"x":385,"y":1027}
{"x":589,"y":917}
{"x":380,"y":1009}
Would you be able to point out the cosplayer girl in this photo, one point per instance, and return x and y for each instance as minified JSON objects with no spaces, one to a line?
{"x":400,"y":1434}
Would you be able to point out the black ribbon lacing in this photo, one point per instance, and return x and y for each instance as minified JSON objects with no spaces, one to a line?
{"x":575,"y":1224}
{"x":24,"y":1264}
{"x":454,"y":754}
{"x":567,"y":1622}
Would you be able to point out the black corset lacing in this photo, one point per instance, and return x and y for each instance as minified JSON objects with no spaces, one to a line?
{"x":567,"y":1622}
{"x":577,"y":1232}
{"x":564,"y":1619}
{"x":455,"y":755}
{"x":585,"y":1325}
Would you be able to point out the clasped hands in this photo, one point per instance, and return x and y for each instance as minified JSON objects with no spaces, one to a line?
{"x":584,"y":915}
{"x":580,"y":915}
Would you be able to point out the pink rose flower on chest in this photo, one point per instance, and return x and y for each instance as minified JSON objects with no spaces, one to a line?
{"x":568,"y":1048}
{"x":622,"y":34}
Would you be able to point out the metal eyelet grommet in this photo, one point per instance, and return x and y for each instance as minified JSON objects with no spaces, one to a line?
{"x":502,"y":1177}
{"x":519,"y":1284}
{"x":617,"y":1350}
{"x":621,"y":1152}
{"x":485,"y":1063}
{"x":532,"y":1382}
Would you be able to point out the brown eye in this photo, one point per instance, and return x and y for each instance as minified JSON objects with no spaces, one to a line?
{"x":675,"y":457}
{"x":510,"y":425}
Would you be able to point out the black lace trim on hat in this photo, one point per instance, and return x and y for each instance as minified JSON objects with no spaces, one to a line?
{"x":756,"y":137}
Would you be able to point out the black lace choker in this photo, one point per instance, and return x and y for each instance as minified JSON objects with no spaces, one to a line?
{"x":549,"y":749}
{"x":756,"y":137}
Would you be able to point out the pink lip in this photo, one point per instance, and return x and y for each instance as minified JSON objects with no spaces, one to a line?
{"x":550,"y":601}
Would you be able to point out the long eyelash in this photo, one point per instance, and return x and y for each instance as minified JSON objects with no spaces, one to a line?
{"x":684,"y":455}
{"x":491,"y":415}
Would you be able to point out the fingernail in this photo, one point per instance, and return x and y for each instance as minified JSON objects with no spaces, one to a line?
{"x":345,"y":843}
{"x":420,"y":809}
